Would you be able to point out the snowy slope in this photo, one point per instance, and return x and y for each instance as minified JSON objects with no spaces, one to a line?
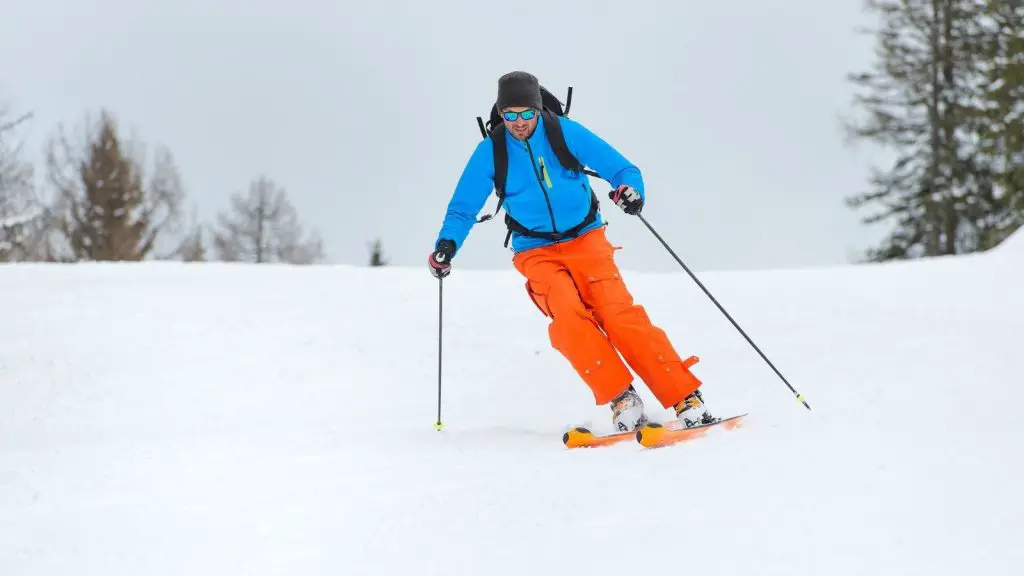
{"x":165,"y":419}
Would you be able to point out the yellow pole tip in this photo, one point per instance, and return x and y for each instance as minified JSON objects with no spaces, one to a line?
{"x":438,"y":426}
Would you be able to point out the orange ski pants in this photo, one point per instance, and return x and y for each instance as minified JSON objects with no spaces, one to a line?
{"x":593,"y":319}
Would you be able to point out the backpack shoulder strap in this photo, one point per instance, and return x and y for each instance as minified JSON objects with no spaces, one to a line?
{"x":556,"y":138}
{"x":495,"y":130}
{"x":500,"y":153}
{"x":553,"y":130}
{"x":500,"y":159}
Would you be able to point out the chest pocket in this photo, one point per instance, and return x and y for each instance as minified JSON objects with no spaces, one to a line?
{"x":527,"y":182}
{"x":521,"y":181}
{"x":560,"y":173}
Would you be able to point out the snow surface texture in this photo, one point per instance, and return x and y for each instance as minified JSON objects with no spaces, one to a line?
{"x":167,"y":419}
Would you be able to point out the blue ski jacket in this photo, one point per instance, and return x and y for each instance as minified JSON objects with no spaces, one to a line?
{"x":539,"y":193}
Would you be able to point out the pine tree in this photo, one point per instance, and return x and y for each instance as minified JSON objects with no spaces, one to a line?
{"x":919,"y":102}
{"x":1000,"y":119}
{"x":108,"y":212}
{"x":377,"y":254}
{"x":263,"y":227}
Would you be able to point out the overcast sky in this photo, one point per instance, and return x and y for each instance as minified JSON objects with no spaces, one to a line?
{"x":365,"y":111}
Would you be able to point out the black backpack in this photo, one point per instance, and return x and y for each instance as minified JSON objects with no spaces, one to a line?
{"x":495,"y":130}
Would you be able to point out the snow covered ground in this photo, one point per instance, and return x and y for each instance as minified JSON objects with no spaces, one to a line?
{"x":170,"y":419}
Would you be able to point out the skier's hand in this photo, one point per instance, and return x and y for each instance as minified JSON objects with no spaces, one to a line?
{"x":628,"y":199}
{"x":439,"y":261}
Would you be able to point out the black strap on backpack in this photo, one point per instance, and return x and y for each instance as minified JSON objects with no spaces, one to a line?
{"x":514,"y":226}
{"x":495,"y":130}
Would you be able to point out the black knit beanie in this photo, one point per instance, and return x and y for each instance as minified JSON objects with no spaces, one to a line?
{"x":519,"y":89}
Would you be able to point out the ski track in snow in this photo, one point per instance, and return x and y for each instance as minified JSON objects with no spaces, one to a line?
{"x":219,"y":419}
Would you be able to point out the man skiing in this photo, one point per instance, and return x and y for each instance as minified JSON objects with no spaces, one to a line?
{"x":560,"y":247}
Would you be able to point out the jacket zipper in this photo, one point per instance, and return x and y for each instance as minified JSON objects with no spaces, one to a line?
{"x":540,"y":182}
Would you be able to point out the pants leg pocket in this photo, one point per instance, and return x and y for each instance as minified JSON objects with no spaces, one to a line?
{"x":667,"y":374}
{"x":539,"y":298}
{"x":665,"y":355}
{"x":606,"y":288}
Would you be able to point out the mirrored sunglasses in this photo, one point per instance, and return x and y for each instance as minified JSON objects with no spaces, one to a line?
{"x":525,"y":115}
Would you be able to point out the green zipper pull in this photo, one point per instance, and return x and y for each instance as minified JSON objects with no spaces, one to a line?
{"x":544,"y":171}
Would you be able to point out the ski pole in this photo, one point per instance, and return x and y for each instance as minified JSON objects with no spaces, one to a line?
{"x":799,"y":397}
{"x":440,"y":318}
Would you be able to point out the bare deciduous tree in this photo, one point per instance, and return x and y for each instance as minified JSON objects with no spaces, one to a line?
{"x":107,"y":209}
{"x":193,"y":246}
{"x":23,"y":217}
{"x":263,"y":227}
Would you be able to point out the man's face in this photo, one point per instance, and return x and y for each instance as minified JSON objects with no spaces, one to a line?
{"x":521,"y":128}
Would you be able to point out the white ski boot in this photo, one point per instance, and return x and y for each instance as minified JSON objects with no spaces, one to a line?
{"x":628,"y":411}
{"x":692,"y":412}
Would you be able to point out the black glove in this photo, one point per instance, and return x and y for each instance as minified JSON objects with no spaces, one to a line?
{"x":628,"y":199}
{"x":439,"y":261}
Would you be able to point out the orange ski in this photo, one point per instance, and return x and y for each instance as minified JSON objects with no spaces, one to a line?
{"x":581,"y":437}
{"x":655,"y":435}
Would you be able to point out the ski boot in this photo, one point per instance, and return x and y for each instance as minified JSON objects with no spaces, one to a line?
{"x":628,"y":411}
{"x":692,"y":412}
